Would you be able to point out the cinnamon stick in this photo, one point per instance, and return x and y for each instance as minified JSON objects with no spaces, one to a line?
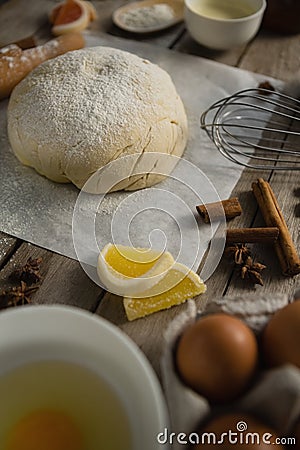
{"x":266,"y":235}
{"x":284,"y":246}
{"x":215,"y":211}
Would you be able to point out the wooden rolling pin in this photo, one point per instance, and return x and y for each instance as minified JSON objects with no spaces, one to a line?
{"x":16,"y":63}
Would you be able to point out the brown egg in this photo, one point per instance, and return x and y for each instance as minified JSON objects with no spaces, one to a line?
{"x":242,"y":431}
{"x":281,"y":337}
{"x":217,"y":357}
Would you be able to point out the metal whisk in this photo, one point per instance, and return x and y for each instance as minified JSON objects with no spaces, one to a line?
{"x":256,"y":128}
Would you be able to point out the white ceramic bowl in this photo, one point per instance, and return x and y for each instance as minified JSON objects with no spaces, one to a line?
{"x":223,"y":24}
{"x":40,"y":333}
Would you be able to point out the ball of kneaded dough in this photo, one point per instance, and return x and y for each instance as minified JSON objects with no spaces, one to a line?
{"x":74,"y":114}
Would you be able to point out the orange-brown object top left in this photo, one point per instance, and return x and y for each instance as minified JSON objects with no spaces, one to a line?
{"x":16,"y":63}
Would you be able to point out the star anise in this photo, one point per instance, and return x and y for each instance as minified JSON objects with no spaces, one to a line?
{"x":239,"y":252}
{"x":29,"y":273}
{"x":242,"y":258}
{"x":17,"y":295}
{"x":267,"y":86}
{"x":252,"y":271}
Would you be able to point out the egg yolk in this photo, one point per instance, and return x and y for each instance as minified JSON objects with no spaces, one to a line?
{"x":45,"y":430}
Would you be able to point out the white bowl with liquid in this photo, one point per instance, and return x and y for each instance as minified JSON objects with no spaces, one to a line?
{"x":83,"y":373}
{"x":223,"y":24}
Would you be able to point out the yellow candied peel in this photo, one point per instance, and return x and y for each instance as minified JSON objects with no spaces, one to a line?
{"x":185,"y":284}
{"x":129,"y":261}
{"x":127,"y":271}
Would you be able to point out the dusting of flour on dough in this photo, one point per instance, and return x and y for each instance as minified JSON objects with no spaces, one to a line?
{"x":77,"y":112}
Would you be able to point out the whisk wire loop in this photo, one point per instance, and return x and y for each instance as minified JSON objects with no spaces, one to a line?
{"x":255,"y":127}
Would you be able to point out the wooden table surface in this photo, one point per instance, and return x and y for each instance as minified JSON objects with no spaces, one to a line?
{"x":63,"y":280}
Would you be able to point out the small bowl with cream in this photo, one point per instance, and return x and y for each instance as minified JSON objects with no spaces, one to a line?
{"x":223,"y":24}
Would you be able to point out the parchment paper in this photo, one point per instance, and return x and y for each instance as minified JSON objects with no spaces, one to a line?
{"x":40,"y":211}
